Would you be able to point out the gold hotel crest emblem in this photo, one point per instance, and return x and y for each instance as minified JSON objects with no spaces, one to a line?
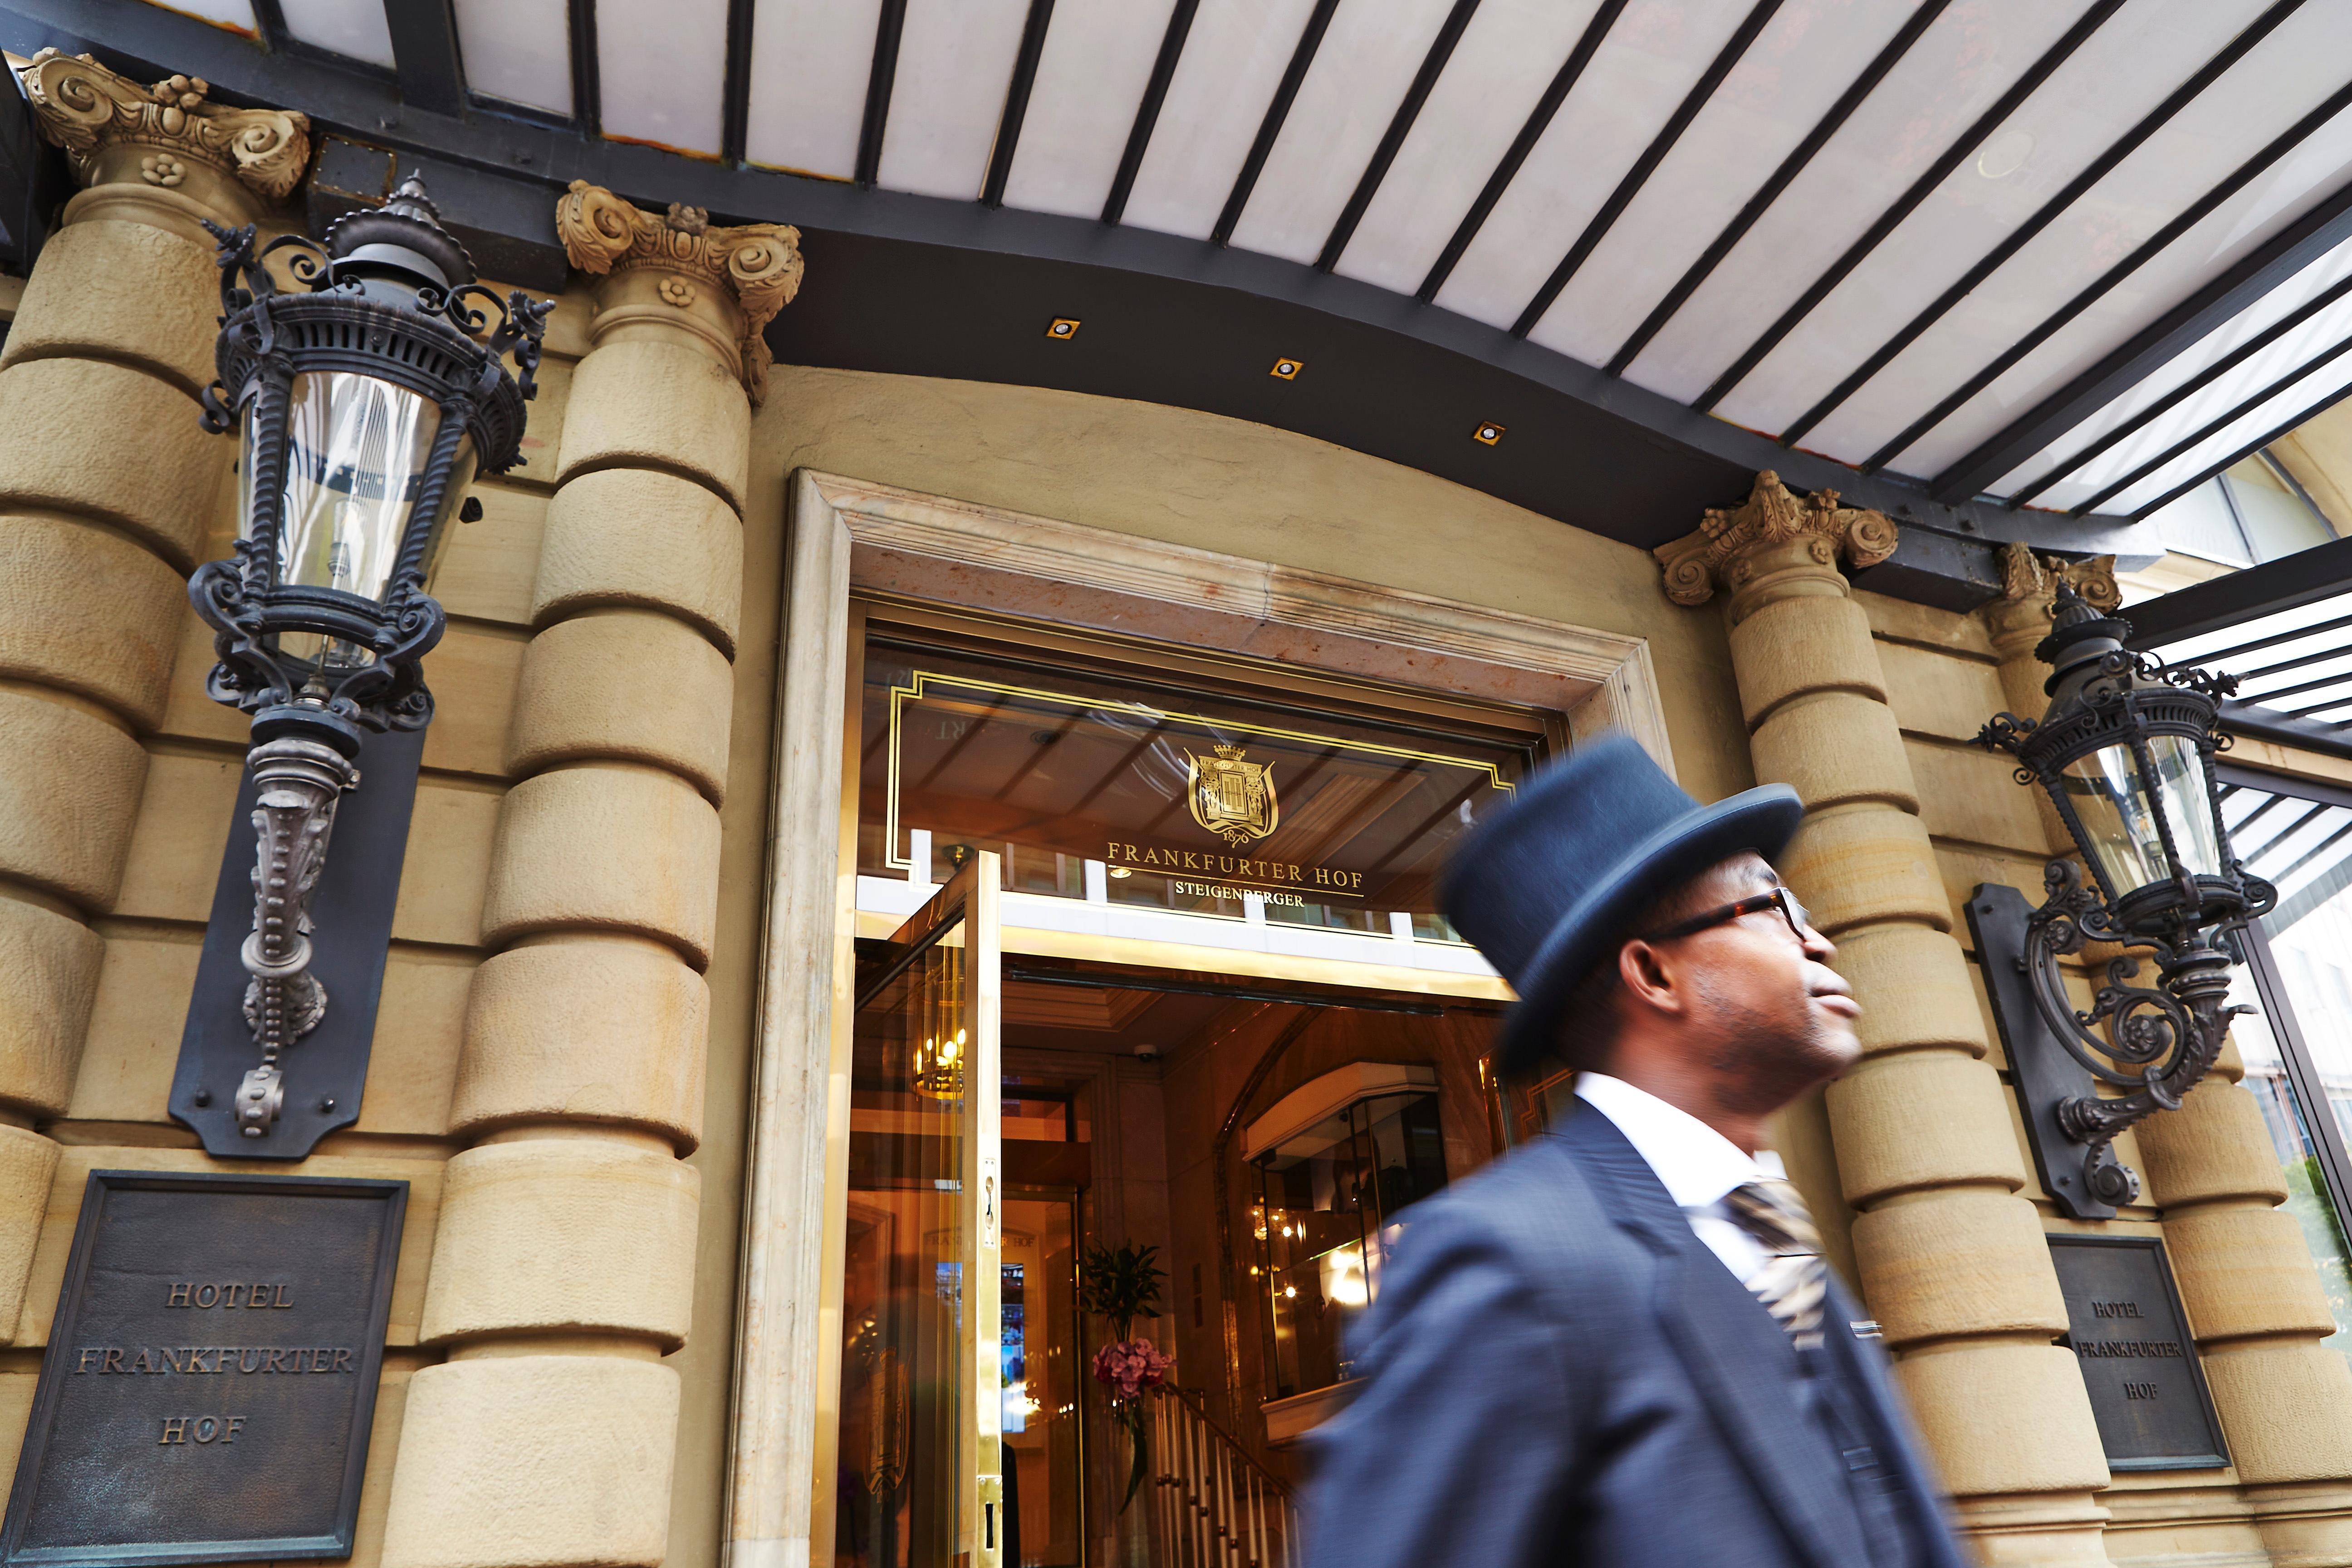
{"x":1229,"y":797}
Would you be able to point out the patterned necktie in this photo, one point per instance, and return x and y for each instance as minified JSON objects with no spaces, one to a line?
{"x":1792,"y":1282}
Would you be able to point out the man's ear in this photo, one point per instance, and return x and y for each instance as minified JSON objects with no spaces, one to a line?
{"x":1649,"y":978}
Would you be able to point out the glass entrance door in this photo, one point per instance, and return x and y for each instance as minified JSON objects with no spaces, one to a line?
{"x":919,"y":1477}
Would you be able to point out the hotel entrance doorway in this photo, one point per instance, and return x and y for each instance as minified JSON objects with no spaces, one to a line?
{"x":1148,"y":957}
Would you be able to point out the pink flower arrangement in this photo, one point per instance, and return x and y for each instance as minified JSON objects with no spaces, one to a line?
{"x":1130,"y":1367}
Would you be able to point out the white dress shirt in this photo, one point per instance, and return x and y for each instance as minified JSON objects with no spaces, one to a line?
{"x":1697,"y":1165}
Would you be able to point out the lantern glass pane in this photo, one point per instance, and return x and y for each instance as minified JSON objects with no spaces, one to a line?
{"x":356,"y":452}
{"x":2118,"y":812}
{"x":356,"y":456}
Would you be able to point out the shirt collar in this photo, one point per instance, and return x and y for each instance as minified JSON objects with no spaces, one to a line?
{"x":1697,"y":1165}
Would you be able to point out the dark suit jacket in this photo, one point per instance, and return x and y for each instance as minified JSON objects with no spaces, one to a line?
{"x":1557,"y":1371}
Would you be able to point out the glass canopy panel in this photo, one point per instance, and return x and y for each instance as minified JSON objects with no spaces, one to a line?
{"x":355,"y":29}
{"x":236,"y":14}
{"x":1094,"y":70}
{"x":955,"y":59}
{"x":811,"y":61}
{"x":1368,"y":54}
{"x":661,"y":67}
{"x":1166,"y":797}
{"x":1232,"y":63}
{"x":518,"y":50}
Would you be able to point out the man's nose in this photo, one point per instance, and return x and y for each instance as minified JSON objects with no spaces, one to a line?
{"x":1819,"y":948}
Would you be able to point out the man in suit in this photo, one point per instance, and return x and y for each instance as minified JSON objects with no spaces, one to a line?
{"x":1619,"y":1345}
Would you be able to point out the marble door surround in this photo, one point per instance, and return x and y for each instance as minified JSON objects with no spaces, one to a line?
{"x":846,"y":535}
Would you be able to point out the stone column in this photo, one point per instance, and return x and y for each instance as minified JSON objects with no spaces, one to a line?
{"x":563,"y":1266}
{"x":1952,"y":1259}
{"x":2245,"y":1271}
{"x":107,"y":486}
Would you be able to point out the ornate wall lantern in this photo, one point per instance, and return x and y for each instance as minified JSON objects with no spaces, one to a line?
{"x":2126,"y":753}
{"x":369,"y":396}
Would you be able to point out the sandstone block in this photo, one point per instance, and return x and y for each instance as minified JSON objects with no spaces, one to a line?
{"x":88,"y":611}
{"x":69,"y":786}
{"x":586,"y":1029}
{"x":636,"y":537}
{"x":534,"y":1461}
{"x":28,"y":1163}
{"x":2005,"y":1417}
{"x":630,"y":686}
{"x":1916,"y":988}
{"x":1967,"y":1261}
{"x":2214,"y":1146}
{"x":125,"y":291}
{"x":1921,"y":1119}
{"x":2287,"y":1409}
{"x":49,"y":966}
{"x":658,"y":404}
{"x":607,"y":848}
{"x":1834,"y":748}
{"x":2245,"y":1271}
{"x":1801,"y":644}
{"x":1856,"y":865}
{"x":563,"y":1236}
{"x":154,"y":475}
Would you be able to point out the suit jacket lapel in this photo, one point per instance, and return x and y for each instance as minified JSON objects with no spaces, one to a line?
{"x":1725,"y":1338}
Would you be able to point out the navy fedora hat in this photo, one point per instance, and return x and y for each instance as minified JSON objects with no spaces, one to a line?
{"x":1546,"y":887}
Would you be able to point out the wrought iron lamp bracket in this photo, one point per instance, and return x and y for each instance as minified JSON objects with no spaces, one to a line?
{"x":388,"y":297}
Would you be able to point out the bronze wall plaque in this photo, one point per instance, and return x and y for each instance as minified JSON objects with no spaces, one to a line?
{"x":211,"y":1372}
{"x":2127,"y":1328}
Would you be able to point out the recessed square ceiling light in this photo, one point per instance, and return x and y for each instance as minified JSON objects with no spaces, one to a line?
{"x":1063,"y":329}
{"x":1487,"y":433}
{"x":1286,"y":369}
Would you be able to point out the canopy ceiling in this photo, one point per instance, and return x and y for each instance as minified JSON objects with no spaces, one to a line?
{"x":1974,"y":253}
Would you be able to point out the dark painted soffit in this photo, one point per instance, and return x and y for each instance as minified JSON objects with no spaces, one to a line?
{"x":923,"y":286}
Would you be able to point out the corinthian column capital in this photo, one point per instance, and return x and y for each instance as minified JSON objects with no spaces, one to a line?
{"x":164,"y":137}
{"x":1773,"y":534}
{"x":2021,"y":618}
{"x":676,"y":271}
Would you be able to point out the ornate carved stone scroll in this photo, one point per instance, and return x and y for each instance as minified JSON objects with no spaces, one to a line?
{"x":90,"y":111}
{"x":757,"y":266}
{"x":1698,"y":563}
{"x":2028,"y":578}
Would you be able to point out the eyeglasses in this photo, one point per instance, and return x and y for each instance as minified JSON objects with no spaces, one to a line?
{"x":1779,"y":899}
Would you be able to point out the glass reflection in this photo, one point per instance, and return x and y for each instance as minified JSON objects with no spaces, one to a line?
{"x":355,"y":459}
{"x":2290,"y":1133}
{"x":902,"y":1394}
{"x":2118,"y":813}
{"x":2298,"y":1047}
{"x":1324,"y":1221}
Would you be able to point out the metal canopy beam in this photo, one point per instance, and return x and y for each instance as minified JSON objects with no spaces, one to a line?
{"x":425,"y":54}
{"x":2263,"y":269}
{"x":1425,"y":81}
{"x":1539,"y":120}
{"x":1603,"y":221}
{"x":1310,"y":39}
{"x":1829,"y":125}
{"x":1920,"y":189}
{"x":2288,"y":583}
{"x":2048,"y":212}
